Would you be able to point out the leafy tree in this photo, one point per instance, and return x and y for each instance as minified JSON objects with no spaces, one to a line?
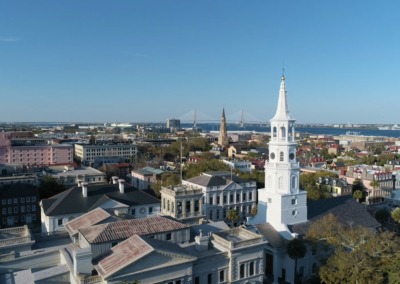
{"x":232,"y":215}
{"x":296,"y":249}
{"x":357,"y":185}
{"x":374,"y":183}
{"x":382,"y":214}
{"x":396,"y":216}
{"x":254,"y":210}
{"x":167,"y":179}
{"x":253,"y":145}
{"x":195,"y":169}
{"x":205,"y":155}
{"x":354,"y":254}
{"x":49,"y":187}
{"x":109,"y":172}
{"x":252,"y":155}
{"x":358,"y":195}
{"x":308,"y":183}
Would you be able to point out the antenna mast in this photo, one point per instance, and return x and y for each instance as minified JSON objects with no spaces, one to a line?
{"x":195,"y":122}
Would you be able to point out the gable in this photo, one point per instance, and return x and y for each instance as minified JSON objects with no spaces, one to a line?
{"x":112,"y":204}
{"x":232,"y":186}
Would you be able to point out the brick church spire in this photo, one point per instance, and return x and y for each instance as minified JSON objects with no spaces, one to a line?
{"x":223,"y":139}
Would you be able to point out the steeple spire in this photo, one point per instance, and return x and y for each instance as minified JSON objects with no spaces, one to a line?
{"x":223,"y":112}
{"x":223,"y":138}
{"x":282,"y":112}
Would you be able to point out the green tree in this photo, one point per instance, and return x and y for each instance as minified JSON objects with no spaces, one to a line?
{"x":232,"y":215}
{"x":382,"y":214}
{"x":357,"y":185}
{"x":396,"y":216}
{"x":358,"y":195}
{"x":195,"y":169}
{"x":109,"y":172}
{"x":254,"y":210}
{"x":167,"y":179}
{"x":374,"y":183}
{"x":296,"y":249}
{"x":252,"y":155}
{"x":49,"y":187}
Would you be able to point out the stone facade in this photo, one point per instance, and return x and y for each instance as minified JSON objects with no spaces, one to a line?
{"x":223,"y":139}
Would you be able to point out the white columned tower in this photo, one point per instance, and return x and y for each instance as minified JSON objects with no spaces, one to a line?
{"x":282,"y":199}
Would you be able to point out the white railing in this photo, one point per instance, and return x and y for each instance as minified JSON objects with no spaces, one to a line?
{"x":92,"y":279}
{"x":8,"y":256}
{"x":14,"y":241}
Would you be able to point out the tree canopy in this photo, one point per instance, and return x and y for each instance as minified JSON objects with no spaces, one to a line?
{"x":355,"y":254}
{"x":167,"y":179}
{"x":232,"y":215}
{"x":49,"y":187}
{"x":308,"y":183}
{"x":109,"y":171}
{"x":195,"y":169}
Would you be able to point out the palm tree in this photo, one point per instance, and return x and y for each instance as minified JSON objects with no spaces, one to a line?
{"x":358,"y":195}
{"x":254,"y":210}
{"x":233,"y":215}
{"x":296,"y":249}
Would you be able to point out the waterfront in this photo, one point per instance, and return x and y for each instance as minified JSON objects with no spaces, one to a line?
{"x":311,"y":130}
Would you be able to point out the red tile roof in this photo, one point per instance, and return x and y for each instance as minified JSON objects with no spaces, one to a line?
{"x":124,"y":165}
{"x":86,"y":220}
{"x":125,"y":229}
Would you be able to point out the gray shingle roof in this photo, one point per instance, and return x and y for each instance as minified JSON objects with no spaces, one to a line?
{"x":207,"y":180}
{"x":273,"y":236}
{"x":345,"y":208}
{"x":72,"y":200}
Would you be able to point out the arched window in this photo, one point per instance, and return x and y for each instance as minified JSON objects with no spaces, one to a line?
{"x":274,"y":132}
{"x":172,"y":207}
{"x":314,"y":268}
{"x":283,"y":132}
{"x":168,"y":206}
{"x":280,"y":183}
{"x":164,"y":203}
{"x":179,"y":208}
{"x":269,"y":182}
{"x":282,"y":157}
{"x":294,"y":182}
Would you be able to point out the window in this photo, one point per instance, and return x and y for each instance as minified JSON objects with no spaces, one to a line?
{"x":179,"y":208}
{"x":217,"y":214}
{"x":28,"y":208}
{"x":172,"y":207}
{"x":169,"y":236}
{"x":281,"y":157}
{"x":4,"y":211}
{"x":28,"y":199}
{"x":244,"y":196}
{"x":33,"y":207}
{"x":9,"y":201}
{"x":314,"y":268}
{"x":218,"y":200}
{"x":187,"y":206}
{"x":196,"y":206}
{"x":241,"y":271}
{"x":244,"y":209}
{"x":250,"y":196}
{"x":178,"y":282}
{"x":224,"y":199}
{"x":294,"y":201}
{"x":168,"y":205}
{"x":231,"y":198}
{"x":314,"y":251}
{"x":164,"y":203}
{"x":150,"y":209}
{"x":210,"y":214}
{"x":280,"y":183}
{"x":221,"y":276}
{"x":237,"y":197}
{"x":15,"y":209}
{"x":15,"y":218}
{"x":60,"y":222}
{"x":197,"y":280}
{"x":23,"y":218}
{"x":15,"y":200}
{"x":209,"y":278}
{"x":211,"y":200}
{"x":301,"y":271}
{"x":4,"y":220}
{"x":4,"y":202}
{"x":9,"y":210}
{"x":133,"y":211}
{"x":293,"y":182}
{"x":251,"y":269}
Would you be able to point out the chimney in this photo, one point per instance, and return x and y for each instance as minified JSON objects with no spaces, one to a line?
{"x":201,"y":242}
{"x":80,"y":182}
{"x":84,"y":189}
{"x":121,"y":185}
{"x":115,"y":179}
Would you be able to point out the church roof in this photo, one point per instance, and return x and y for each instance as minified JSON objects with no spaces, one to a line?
{"x":274,"y":238}
{"x":214,"y":180}
{"x":345,"y":208}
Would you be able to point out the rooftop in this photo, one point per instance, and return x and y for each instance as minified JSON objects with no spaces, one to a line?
{"x":125,"y":229}
{"x":86,"y":220}
{"x":72,"y":200}
{"x":149,"y":170}
{"x":76,"y":172}
{"x":236,"y":238}
{"x":217,"y":179}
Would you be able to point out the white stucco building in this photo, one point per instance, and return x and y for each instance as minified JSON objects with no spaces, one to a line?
{"x":244,"y":166}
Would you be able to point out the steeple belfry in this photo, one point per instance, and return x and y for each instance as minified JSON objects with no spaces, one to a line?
{"x":223,"y":139}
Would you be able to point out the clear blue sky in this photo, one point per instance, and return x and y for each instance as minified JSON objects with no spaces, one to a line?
{"x":149,"y":60}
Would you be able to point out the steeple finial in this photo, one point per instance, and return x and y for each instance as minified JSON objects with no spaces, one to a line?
{"x":223,"y":112}
{"x":283,"y":71}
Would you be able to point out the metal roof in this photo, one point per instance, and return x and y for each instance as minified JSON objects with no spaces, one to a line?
{"x":86,"y":220}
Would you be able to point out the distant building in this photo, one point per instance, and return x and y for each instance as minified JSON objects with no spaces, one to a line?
{"x":242,"y":165}
{"x":236,"y":137}
{"x":236,"y":149}
{"x":87,"y":153}
{"x":19,"y":205}
{"x":27,"y":154}
{"x":335,"y":186}
{"x":174,"y":123}
{"x":223,"y":139}
{"x":143,"y":178}
{"x":109,"y":160}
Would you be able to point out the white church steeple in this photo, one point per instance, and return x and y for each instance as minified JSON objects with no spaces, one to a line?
{"x":282,"y":202}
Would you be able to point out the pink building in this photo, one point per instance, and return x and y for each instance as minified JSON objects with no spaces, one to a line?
{"x":35,"y":154}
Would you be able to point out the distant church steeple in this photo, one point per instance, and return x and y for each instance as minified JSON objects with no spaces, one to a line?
{"x":223,"y":139}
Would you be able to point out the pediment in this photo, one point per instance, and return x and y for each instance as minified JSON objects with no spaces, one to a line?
{"x":112,"y":204}
{"x":232,"y":186}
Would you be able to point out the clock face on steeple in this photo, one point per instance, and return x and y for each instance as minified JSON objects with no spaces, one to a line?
{"x":272,"y":156}
{"x":291,"y":156}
